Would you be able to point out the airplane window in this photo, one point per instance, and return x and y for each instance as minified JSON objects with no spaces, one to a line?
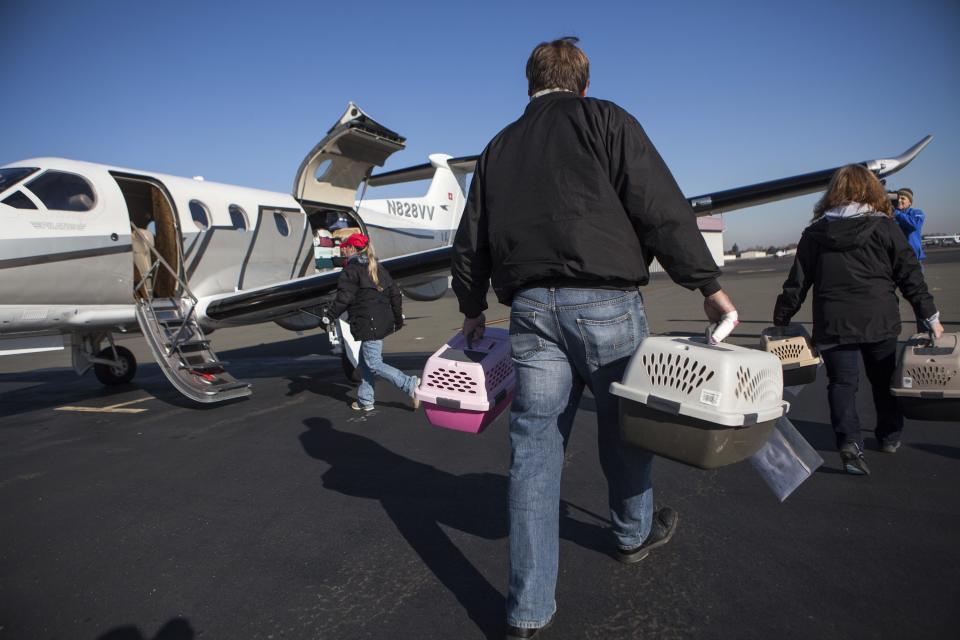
{"x":238,"y":217}
{"x":282,"y":225}
{"x":63,"y":191}
{"x":18,"y":200}
{"x":198,"y":211}
{"x":12,"y":175}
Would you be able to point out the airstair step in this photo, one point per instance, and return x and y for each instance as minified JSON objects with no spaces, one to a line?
{"x":159,"y":304}
{"x":184,"y":353}
{"x":191,"y":347}
{"x":205,"y":367}
{"x":236,"y":384}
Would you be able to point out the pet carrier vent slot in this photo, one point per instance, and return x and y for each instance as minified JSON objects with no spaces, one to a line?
{"x":931,"y":376}
{"x":676,"y":371}
{"x":499,"y":373}
{"x":753,"y":386}
{"x":789,"y":351}
{"x":450,"y":380}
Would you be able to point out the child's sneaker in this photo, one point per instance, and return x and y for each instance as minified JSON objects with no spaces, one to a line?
{"x":853,"y":462}
{"x":356,"y":406}
{"x":414,"y":400}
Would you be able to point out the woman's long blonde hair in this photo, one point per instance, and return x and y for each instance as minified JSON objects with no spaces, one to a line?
{"x":373,"y":267}
{"x":854,"y":184}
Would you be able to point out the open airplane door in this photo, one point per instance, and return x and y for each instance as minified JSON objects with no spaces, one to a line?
{"x":327,"y":182}
{"x":329,"y":176}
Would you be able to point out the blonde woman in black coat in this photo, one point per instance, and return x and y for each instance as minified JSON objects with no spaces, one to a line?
{"x":372,"y":301}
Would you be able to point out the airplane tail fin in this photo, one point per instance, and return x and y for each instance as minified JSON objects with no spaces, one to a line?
{"x":448,"y":187}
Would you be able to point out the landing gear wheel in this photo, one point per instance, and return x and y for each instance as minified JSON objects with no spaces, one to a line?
{"x":120,"y":373}
{"x":352,"y":372}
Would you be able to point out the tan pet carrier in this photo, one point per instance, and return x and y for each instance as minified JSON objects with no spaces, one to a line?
{"x":927,"y":381}
{"x":796,"y":352}
{"x":704,"y":405}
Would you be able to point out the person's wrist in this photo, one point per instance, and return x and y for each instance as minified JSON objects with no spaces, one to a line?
{"x":710,"y":288}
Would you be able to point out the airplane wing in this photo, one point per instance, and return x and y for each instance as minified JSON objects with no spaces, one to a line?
{"x":710,"y":203}
{"x":281,"y":299}
{"x":794,"y":186}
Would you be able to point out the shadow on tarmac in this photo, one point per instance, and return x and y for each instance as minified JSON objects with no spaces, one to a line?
{"x":61,"y":386}
{"x":420,"y":499}
{"x":175,"y":629}
{"x":939,"y":449}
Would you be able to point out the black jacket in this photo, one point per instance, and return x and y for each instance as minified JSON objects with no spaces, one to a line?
{"x":574,"y":194}
{"x":373,"y":313}
{"x":854,"y":266}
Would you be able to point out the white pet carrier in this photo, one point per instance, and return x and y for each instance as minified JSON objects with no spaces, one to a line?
{"x":701,"y":404}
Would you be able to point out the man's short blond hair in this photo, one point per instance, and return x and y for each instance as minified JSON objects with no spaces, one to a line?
{"x":560,"y":64}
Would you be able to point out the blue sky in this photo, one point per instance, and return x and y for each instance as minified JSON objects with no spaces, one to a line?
{"x":730,"y":93}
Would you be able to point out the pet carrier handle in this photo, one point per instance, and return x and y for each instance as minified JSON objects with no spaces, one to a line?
{"x":716,"y":333}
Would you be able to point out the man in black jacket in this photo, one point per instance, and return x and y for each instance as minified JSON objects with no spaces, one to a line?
{"x":567,"y":208}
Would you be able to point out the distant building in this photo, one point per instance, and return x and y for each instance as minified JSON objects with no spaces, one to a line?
{"x":758,"y":253}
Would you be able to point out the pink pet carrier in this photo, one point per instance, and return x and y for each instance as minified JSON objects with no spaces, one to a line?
{"x":466,"y":388}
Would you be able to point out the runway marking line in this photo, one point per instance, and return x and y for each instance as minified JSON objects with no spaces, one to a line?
{"x":113,"y":408}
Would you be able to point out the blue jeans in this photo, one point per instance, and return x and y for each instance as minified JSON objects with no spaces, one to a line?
{"x":563,"y":339}
{"x":372,"y":366}
{"x":843,"y":373}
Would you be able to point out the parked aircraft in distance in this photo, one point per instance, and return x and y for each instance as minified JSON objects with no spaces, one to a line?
{"x":946,"y":240}
{"x":88,"y":250}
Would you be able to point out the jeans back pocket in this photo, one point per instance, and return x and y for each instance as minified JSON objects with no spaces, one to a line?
{"x":607,"y":340}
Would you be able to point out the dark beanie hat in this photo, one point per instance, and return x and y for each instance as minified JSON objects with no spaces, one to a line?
{"x":906,"y":192}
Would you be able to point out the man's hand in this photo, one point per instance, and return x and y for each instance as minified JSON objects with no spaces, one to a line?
{"x":473,"y":328}
{"x":936,"y":328}
{"x":716,"y":305}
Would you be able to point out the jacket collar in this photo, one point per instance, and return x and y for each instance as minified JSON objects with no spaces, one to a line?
{"x":541,"y":99}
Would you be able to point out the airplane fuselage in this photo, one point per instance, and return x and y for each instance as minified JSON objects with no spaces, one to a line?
{"x":73,"y":269}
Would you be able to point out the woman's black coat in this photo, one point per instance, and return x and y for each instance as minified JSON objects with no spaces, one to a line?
{"x":855,"y":266}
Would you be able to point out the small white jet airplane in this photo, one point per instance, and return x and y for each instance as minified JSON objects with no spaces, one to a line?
{"x":88,"y":250}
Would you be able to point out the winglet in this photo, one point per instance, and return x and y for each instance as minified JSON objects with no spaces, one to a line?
{"x":889,"y":166}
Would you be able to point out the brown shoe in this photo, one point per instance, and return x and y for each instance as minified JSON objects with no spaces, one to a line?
{"x":522,"y":633}
{"x":664,"y":524}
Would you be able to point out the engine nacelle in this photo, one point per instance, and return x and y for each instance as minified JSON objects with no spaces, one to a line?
{"x":425,"y":289}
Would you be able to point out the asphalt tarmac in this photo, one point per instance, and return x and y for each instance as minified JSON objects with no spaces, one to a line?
{"x":131,"y":513}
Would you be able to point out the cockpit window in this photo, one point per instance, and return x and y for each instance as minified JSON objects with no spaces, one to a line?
{"x":12,"y":175}
{"x":18,"y":200}
{"x":63,"y":191}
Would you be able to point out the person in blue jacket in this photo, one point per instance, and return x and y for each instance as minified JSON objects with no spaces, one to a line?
{"x":910,"y":221}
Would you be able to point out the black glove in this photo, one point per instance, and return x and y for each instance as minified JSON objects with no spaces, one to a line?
{"x":397,"y":326}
